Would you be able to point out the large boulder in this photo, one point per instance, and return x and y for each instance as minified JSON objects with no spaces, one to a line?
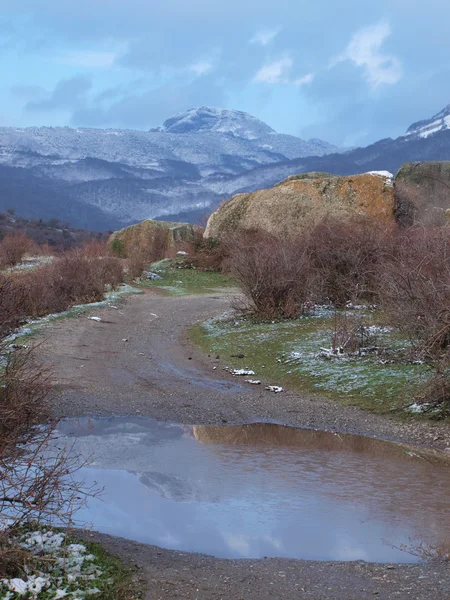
{"x":301,"y":201}
{"x":423,"y":193}
{"x":148,"y":234}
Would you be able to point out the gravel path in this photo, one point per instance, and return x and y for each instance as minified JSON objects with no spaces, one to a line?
{"x":138,"y":361}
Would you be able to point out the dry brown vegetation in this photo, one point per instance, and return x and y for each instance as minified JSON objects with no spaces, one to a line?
{"x":36,"y":476}
{"x":75,"y":277}
{"x":336,"y":262}
{"x":13,"y":247}
{"x":405,"y":272}
{"x":273,"y":273}
{"x":414,"y":287}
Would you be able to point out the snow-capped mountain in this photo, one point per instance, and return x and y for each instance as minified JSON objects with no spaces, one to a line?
{"x":127,"y":176}
{"x":439,"y":122}
{"x":218,"y":120}
{"x":105,"y":179}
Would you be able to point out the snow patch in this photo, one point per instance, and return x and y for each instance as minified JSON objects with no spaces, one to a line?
{"x":240,"y":372}
{"x":274,"y":388}
{"x":387,"y":174}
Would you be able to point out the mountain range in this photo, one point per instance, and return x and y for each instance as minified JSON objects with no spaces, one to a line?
{"x":104,"y":179}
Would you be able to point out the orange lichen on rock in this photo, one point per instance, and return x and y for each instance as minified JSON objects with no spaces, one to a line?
{"x":300,"y":202}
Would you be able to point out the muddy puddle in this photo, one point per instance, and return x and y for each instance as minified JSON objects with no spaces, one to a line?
{"x":261,"y":490}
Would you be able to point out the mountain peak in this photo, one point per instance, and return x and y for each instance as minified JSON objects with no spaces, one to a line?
{"x":206,"y":119}
{"x":423,"y":129}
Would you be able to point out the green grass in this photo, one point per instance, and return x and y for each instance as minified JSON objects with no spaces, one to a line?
{"x":116,"y":579}
{"x":178,"y":281}
{"x":268,"y":349}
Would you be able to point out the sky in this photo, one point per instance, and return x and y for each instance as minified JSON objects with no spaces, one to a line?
{"x":347,"y":71}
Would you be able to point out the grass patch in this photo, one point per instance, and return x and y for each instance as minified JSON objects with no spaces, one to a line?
{"x":288,"y":353}
{"x":179,"y":281}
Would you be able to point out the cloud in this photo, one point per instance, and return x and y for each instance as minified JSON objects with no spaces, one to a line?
{"x":278,"y":71}
{"x":201,"y":67}
{"x":88,"y":59}
{"x":265,"y":36}
{"x":364,"y":50}
{"x":145,"y":108}
{"x":275,"y":72}
{"x":305,"y":80}
{"x":68,"y":94}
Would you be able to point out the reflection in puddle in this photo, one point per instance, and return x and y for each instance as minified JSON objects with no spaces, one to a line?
{"x":260,"y":490}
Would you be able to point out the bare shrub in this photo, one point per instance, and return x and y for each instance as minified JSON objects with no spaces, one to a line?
{"x":73,"y":278}
{"x":345,"y":256}
{"x":415,"y":294}
{"x":435,"y":393}
{"x":415,"y":287}
{"x":13,"y":248}
{"x":12,"y":301}
{"x":352,"y":335}
{"x":274,"y":273}
{"x":36,"y":476}
{"x":336,"y":262}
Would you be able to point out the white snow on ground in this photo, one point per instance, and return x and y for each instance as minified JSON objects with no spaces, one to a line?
{"x":253,"y":381}
{"x":31,"y":262}
{"x":274,"y":388}
{"x":68,"y":570}
{"x":377,"y":330}
{"x":381,"y":174}
{"x":418,"y":408}
{"x":242,"y":372}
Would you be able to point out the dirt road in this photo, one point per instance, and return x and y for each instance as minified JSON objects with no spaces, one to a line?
{"x":137,"y":360}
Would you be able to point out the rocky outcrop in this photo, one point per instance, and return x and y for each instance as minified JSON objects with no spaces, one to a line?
{"x":301,"y":201}
{"x":423,"y":193}
{"x":148,"y":233}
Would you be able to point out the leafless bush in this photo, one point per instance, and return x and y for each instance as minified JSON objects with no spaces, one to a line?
{"x":13,"y":248}
{"x":345,"y":255}
{"x":352,"y":335}
{"x":73,"y":278}
{"x":274,"y":273}
{"x":415,"y":294}
{"x":336,"y":262}
{"x":36,"y":476}
{"x":415,"y":287}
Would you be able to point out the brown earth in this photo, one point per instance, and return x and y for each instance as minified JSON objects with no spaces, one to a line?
{"x":301,"y":201}
{"x":138,"y":361}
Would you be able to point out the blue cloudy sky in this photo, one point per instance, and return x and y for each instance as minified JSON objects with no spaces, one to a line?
{"x":348,"y":71}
